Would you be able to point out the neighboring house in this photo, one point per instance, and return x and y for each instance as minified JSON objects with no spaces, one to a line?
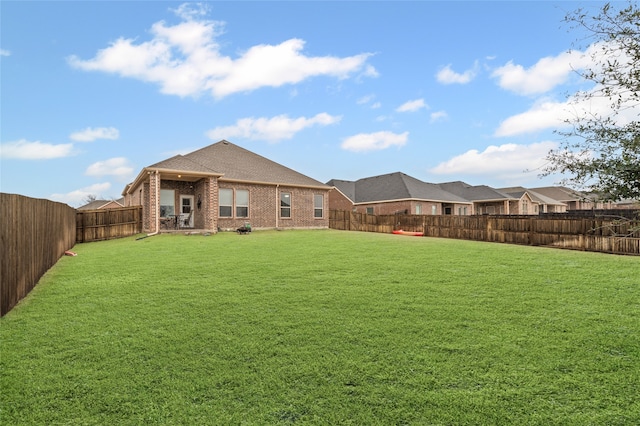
{"x":574,"y":200}
{"x":224,"y":187}
{"x":395,"y":193}
{"x":103,"y":204}
{"x":541,"y":203}
{"x":487,"y":200}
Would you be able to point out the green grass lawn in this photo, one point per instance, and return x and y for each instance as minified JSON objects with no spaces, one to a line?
{"x":324,"y":327}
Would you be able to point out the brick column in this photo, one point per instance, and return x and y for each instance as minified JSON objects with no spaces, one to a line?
{"x":154,"y":200}
{"x":211,"y":204}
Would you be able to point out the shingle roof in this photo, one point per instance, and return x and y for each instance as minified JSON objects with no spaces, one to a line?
{"x":535,"y":196}
{"x":474,"y":193}
{"x":180,"y":162}
{"x":236,"y":163}
{"x":560,"y":193}
{"x":393,"y":186}
{"x":347,"y":187}
{"x":98,"y":204}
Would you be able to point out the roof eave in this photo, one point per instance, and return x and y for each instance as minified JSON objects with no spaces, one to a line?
{"x":257,"y":182}
{"x":413,"y":199}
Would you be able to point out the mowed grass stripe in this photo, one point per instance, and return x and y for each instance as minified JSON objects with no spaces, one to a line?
{"x":324,"y":327}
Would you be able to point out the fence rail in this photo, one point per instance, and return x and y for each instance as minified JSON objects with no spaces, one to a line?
{"x":35,"y":233}
{"x":107,"y":224}
{"x":601,"y":234}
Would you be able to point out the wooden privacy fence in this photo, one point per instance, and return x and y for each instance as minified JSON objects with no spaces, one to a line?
{"x":107,"y":224}
{"x":34,"y":233}
{"x":601,"y":234}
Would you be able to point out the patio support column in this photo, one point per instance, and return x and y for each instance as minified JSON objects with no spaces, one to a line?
{"x":154,"y":201}
{"x":211,"y":203}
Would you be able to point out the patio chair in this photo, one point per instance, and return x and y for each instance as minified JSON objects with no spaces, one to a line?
{"x":185,"y":219}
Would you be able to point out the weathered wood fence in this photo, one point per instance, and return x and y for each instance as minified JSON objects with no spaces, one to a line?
{"x":34,"y":234}
{"x":601,"y":234}
{"x":107,"y":224}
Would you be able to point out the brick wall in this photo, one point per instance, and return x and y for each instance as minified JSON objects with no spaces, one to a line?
{"x":264,"y":208}
{"x":264,"y":204}
{"x":409,"y":207}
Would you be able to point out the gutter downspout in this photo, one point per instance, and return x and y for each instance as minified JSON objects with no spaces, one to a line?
{"x":277,"y":203}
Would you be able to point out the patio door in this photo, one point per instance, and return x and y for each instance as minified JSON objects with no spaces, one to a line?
{"x":186,"y":207}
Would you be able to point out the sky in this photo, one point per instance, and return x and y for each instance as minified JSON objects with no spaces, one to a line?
{"x":92,"y":92}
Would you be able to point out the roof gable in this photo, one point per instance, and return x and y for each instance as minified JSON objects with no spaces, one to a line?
{"x":239,"y":164}
{"x":535,"y":196}
{"x":393,"y":186}
{"x":474,"y":193}
{"x":560,"y":193}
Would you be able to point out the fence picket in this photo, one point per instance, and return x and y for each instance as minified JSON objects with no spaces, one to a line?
{"x":601,"y":234}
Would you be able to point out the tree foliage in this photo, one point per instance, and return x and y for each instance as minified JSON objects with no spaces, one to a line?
{"x":601,"y":150}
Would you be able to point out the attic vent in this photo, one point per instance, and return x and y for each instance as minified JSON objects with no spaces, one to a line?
{"x":225,"y":142}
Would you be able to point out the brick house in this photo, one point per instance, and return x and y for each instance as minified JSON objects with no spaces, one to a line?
{"x":541,"y":203}
{"x":487,"y":200}
{"x":223,"y":187}
{"x":395,"y":193}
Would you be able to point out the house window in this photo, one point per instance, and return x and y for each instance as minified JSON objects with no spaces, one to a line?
{"x":226,"y":202}
{"x":318,"y":206}
{"x":242,"y":203}
{"x":369,"y":210}
{"x":167,"y":202}
{"x":285,"y":204}
{"x":418,"y":208}
{"x":525,"y":207}
{"x":434,"y":210}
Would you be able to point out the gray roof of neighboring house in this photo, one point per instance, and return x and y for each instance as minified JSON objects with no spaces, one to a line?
{"x":236,"y":163}
{"x":474,"y":193}
{"x":535,"y":196}
{"x":98,"y":204}
{"x":347,"y":187}
{"x":393,"y":186}
{"x":560,"y":193}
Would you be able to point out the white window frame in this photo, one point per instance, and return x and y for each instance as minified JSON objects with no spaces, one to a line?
{"x":318,"y":198}
{"x":241,"y":206}
{"x":285,"y":211}
{"x":167,"y":202}
{"x":227,"y":192}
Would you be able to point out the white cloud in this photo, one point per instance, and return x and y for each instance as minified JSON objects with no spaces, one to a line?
{"x":90,"y":134}
{"x":271,"y":129}
{"x":543,"y":115}
{"x":548,"y":114}
{"x":185,"y":60}
{"x":4,"y":52}
{"x":438,"y":116}
{"x":412,"y":106}
{"x":497,"y":161}
{"x":118,"y":166}
{"x":447,"y":76}
{"x":543,"y":76}
{"x":77,"y":198}
{"x":374,"y":141}
{"x":25,"y":150}
{"x":190,"y":11}
{"x":365,"y":99}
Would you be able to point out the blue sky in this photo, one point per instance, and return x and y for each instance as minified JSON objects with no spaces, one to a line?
{"x":92,"y":92}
